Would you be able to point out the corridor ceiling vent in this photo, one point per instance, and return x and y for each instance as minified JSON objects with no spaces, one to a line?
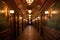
{"x":11,"y":11}
{"x":46,"y":12}
{"x":29,"y":11}
{"x":29,"y":2}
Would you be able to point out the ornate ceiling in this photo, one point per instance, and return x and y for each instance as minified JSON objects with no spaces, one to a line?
{"x":21,"y":7}
{"x":24,"y":7}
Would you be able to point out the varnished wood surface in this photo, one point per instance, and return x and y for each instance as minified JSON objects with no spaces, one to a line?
{"x":29,"y":33}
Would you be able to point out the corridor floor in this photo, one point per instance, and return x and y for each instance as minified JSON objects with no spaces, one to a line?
{"x":29,"y":33}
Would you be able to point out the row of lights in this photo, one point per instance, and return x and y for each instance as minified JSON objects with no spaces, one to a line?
{"x":29,"y":2}
{"x":52,"y":12}
{"x":2,"y":11}
{"x":23,"y":19}
{"x":46,"y":12}
{"x":49,"y":14}
{"x":36,"y":19}
{"x":12,"y":11}
{"x":29,"y":11}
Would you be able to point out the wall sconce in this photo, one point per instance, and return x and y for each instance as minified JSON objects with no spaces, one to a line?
{"x":1,"y":11}
{"x":12,"y":11}
{"x":20,"y":18}
{"x":54,"y":12}
{"x":46,"y":12}
{"x":38,"y":18}
{"x":47,"y":15}
{"x":29,"y":17}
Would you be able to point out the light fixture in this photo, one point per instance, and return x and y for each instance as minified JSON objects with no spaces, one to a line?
{"x":20,"y":18}
{"x":46,"y":12}
{"x":29,"y":11}
{"x":29,"y":15}
{"x":29,"y":2}
{"x":33,"y":20}
{"x":54,"y":12}
{"x":45,"y":17}
{"x":24,"y":19}
{"x":1,"y":11}
{"x":38,"y":17}
{"x":11,"y":11}
{"x":29,"y":18}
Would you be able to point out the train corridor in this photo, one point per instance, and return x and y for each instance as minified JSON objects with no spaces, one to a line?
{"x":29,"y":19}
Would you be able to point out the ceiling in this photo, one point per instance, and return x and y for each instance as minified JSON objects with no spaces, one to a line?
{"x":21,"y":7}
{"x":24,"y":7}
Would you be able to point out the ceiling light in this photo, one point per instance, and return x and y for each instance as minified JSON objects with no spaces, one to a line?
{"x":29,"y":11}
{"x":29,"y":15}
{"x":20,"y":17}
{"x":38,"y":17}
{"x":29,"y":18}
{"x":11,"y":11}
{"x":46,"y":17}
{"x":54,"y":12}
{"x":24,"y":19}
{"x":46,"y":12}
{"x":29,"y":2}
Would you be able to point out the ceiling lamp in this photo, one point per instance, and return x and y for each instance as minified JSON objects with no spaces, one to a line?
{"x":11,"y":11}
{"x":20,"y":18}
{"x":29,"y":11}
{"x":29,"y":15}
{"x":38,"y":17}
{"x":29,"y":2}
{"x":46,"y":12}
